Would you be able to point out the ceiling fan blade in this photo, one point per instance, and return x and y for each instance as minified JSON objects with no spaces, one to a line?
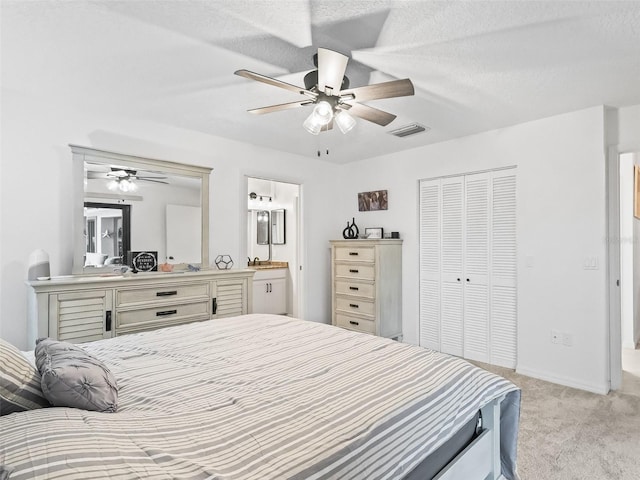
{"x":276,"y":83}
{"x":394,"y":88}
{"x":154,"y":181}
{"x":331,"y":68}
{"x":369,"y":113}
{"x":277,"y":108}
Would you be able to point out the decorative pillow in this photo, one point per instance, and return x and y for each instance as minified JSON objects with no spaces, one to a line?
{"x":72,"y":377}
{"x":19,"y":382}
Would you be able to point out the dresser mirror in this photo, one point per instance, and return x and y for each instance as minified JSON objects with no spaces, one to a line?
{"x":126,"y":203}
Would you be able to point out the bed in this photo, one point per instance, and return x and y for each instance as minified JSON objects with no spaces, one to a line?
{"x":271,"y":397}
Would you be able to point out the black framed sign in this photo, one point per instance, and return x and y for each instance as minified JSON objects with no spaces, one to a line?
{"x":144,"y":261}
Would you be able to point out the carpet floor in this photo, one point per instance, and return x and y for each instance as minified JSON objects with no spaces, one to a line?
{"x":569,"y":434}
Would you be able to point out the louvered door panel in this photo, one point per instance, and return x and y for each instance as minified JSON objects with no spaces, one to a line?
{"x":476,"y":266}
{"x":230,"y":300}
{"x":80,"y":316}
{"x":451,"y":310}
{"x":504,"y":270}
{"x":430,"y":264}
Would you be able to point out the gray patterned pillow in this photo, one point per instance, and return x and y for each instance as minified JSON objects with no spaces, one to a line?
{"x":19,"y":382}
{"x":71,"y":377}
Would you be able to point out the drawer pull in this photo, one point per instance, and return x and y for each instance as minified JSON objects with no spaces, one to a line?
{"x":354,"y":288}
{"x":353,"y":323}
{"x":354,"y":305}
{"x":107,"y":321}
{"x":214,"y":306}
{"x":166,"y":294}
{"x":353,"y":270}
{"x":353,"y":253}
{"x":166,"y":312}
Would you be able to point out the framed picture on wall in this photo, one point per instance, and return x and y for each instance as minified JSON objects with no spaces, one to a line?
{"x":636,"y":191}
{"x":370,"y":201}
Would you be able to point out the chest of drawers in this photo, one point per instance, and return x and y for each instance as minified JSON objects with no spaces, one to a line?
{"x":367,"y":286}
{"x":87,"y":308}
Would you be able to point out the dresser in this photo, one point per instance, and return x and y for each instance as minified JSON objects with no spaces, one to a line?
{"x":87,"y":308}
{"x":366,"y":277}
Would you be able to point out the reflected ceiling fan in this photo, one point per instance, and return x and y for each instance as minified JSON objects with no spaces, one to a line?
{"x":125,"y":179}
{"x":328,"y":89}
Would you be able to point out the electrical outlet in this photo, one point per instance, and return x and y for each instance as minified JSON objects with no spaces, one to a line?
{"x":556,"y":336}
{"x":567,"y":339}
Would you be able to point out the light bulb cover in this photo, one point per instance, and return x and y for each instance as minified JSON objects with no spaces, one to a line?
{"x":344,"y":121}
{"x":311,"y":125}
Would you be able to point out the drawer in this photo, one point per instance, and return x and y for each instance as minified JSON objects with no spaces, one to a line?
{"x":363,"y":272}
{"x":355,"y":254}
{"x":367,"y":290}
{"x":361,"y":307}
{"x":173,"y":293}
{"x":161,"y":316}
{"x":355,"y":323}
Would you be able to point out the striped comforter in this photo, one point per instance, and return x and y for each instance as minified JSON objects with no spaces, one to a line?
{"x":253,"y":397}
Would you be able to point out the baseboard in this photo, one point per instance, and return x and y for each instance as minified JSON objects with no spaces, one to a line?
{"x":565,"y":381}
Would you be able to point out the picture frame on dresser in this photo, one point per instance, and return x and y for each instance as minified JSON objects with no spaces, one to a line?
{"x":374,"y":232}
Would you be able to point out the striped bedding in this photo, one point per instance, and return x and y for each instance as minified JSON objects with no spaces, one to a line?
{"x":254,"y":397}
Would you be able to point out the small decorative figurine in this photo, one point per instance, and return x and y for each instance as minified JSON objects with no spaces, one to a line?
{"x":224,"y":262}
{"x":351,"y":232}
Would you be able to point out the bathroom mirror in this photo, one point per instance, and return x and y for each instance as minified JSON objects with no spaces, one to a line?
{"x":262,"y":227}
{"x":278,"y":236}
{"x":159,"y":185}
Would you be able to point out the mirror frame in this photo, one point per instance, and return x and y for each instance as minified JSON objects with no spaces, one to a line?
{"x":283,"y":226}
{"x":92,"y":155}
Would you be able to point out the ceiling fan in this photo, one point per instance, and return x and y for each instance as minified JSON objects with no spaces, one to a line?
{"x":125,"y":179}
{"x":328,"y":89}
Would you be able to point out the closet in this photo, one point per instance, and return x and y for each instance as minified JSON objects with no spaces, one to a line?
{"x":468,"y":266}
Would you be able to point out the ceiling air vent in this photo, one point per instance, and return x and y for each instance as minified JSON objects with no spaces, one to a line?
{"x":410,"y":129}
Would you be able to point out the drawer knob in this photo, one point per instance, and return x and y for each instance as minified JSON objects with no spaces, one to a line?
{"x":354,"y":305}
{"x":353,"y":270}
{"x":354,"y":288}
{"x":166,"y":294}
{"x":353,"y":323}
{"x":353,"y":253}
{"x":166,"y":312}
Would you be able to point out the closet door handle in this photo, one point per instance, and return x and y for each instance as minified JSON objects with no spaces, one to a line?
{"x":468,"y":280}
{"x":107,"y":321}
{"x":458,"y":279}
{"x":214,"y":306}
{"x":166,"y":312}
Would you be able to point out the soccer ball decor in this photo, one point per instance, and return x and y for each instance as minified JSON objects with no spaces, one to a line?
{"x":224,"y":262}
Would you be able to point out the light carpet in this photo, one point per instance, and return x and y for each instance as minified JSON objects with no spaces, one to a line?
{"x":569,"y":434}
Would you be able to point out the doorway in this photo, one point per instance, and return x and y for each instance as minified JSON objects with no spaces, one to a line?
{"x":274,"y":233}
{"x":624,"y":273}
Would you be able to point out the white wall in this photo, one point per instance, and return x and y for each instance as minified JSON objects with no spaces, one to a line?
{"x":561,"y":222}
{"x":36,"y":204}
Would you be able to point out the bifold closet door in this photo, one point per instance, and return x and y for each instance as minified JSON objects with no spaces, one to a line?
{"x":468,"y":266}
{"x":476,"y":266}
{"x":503,"y":294}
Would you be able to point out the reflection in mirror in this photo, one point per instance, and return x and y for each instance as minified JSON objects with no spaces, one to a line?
{"x":278,"y":236}
{"x":107,"y":233}
{"x":152,"y":191}
{"x":262,"y":227}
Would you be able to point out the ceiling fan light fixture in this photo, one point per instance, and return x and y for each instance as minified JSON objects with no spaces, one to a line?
{"x":311,"y":125}
{"x":123,"y":184}
{"x":323,"y":112}
{"x":345,"y":121}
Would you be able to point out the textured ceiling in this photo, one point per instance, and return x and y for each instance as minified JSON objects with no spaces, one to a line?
{"x":476,"y":65}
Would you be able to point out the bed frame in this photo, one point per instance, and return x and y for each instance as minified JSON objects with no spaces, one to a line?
{"x":480,"y":460}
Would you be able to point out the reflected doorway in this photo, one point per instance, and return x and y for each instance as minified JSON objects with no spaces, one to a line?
{"x":273,"y":234}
